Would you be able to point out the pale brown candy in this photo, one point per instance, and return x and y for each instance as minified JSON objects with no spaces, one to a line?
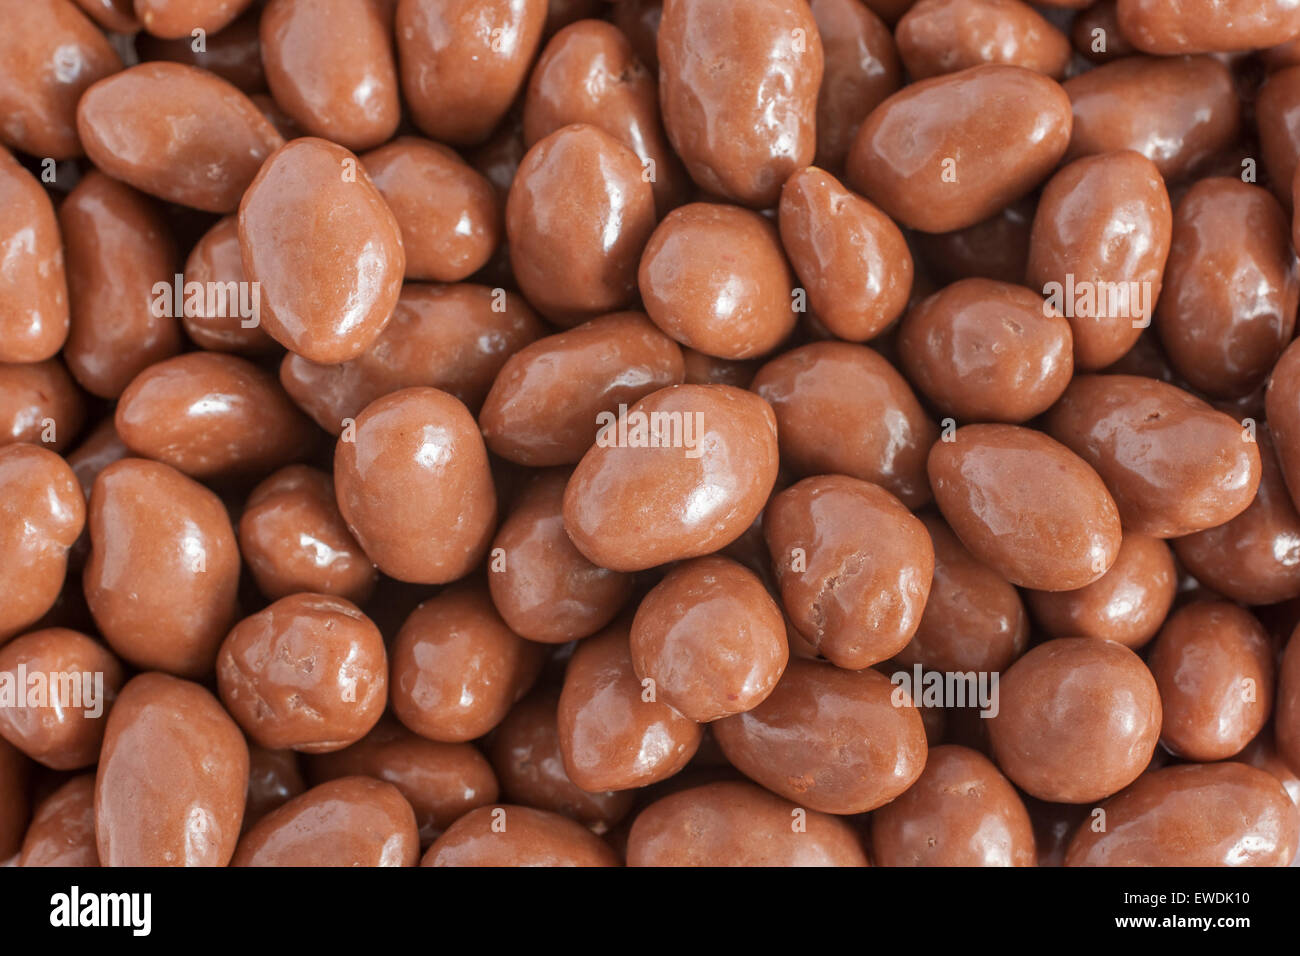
{"x":518,"y":836}
{"x":33,"y":288}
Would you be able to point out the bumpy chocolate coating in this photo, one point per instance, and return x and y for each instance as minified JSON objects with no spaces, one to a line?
{"x":62,"y":831}
{"x":518,"y":836}
{"x":33,"y":287}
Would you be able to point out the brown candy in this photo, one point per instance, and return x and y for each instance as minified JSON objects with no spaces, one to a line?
{"x":1126,"y":605}
{"x":738,"y":86}
{"x":176,"y":18}
{"x":293,"y":539}
{"x":62,"y":831}
{"x":163,"y":567}
{"x":843,"y":409}
{"x":1231,"y":289}
{"x":464,"y":61}
{"x":1026,"y":506}
{"x":1098,"y":248}
{"x":1172,"y":27}
{"x":353,"y":103}
{"x":452,"y":337}
{"x":42,"y":511}
{"x":545,"y":402}
{"x":827,"y":739}
{"x":33,"y":289}
{"x":354,"y":821}
{"x":39,"y":404}
{"x":413,"y":485}
{"x":851,"y":258}
{"x":1214,"y":666}
{"x":615,"y":731}
{"x":738,"y":824}
{"x":944,"y":36}
{"x":987,"y":351}
{"x":1078,"y":720}
{"x":1173,"y":464}
{"x":853,"y":566}
{"x":710,"y":639}
{"x":230,"y":319}
{"x":578,"y":215}
{"x":525,"y":752}
{"x":1287,"y":724}
{"x":64,"y":684}
{"x":308,"y":673}
{"x":172,"y":775}
{"x":541,"y":585}
{"x":947,"y":152}
{"x":456,"y":668}
{"x":518,"y":836}
{"x":234,"y":54}
{"x":973,"y":618}
{"x":136,"y":126}
{"x":960,"y":812}
{"x":1196,"y":815}
{"x":682,"y":474}
{"x":861,"y":69}
{"x":442,"y":782}
{"x":325,"y":248}
{"x":211,"y":415}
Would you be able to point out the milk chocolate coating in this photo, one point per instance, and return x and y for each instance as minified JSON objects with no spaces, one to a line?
{"x":1213,"y":664}
{"x":1262,"y":753}
{"x":1126,"y":604}
{"x":62,"y":831}
{"x":452,"y":337}
{"x":588,"y":74}
{"x":118,"y":250}
{"x":39,"y":404}
{"x":616,"y":732}
{"x":738,"y":824}
{"x":15,"y":769}
{"x":1176,"y":112}
{"x":163,"y":567}
{"x":710,"y":638}
{"x":211,"y":415}
{"x":1282,"y":406}
{"x":1026,"y":506}
{"x":578,"y":215}
{"x":274,"y":778}
{"x":987,"y":351}
{"x":176,"y":18}
{"x":456,"y":668}
{"x":947,"y":152}
{"x":441,"y":782}
{"x":354,"y":103}
{"x":234,"y":54}
{"x":1231,"y":289}
{"x":1103,"y":223}
{"x":33,"y":288}
{"x":995,"y":248}
{"x":216,"y":258}
{"x":308,"y":673}
{"x":1078,"y":720}
{"x":742,"y":130}
{"x":1173,"y":464}
{"x":715,"y":278}
{"x":64,"y":726}
{"x":1207,"y":26}
{"x":414,"y":487}
{"x":1224,"y":814}
{"x":115,"y":15}
{"x":1255,"y":557}
{"x":1287,"y":724}
{"x":851,"y":258}
{"x":170,"y":786}
{"x":353,"y":821}
{"x":630,"y":507}
{"x":464,"y":61}
{"x":973,"y":618}
{"x":828,"y":739}
{"x":960,"y":812}
{"x":134,"y":126}
{"x":518,"y":836}
{"x":317,"y":235}
{"x":543,"y":406}
{"x":525,"y":752}
{"x":853,"y":566}
{"x":541,"y":585}
{"x":1277,"y":113}
{"x":843,"y":409}
{"x":293,"y":539}
{"x":42,"y":511}
{"x":50,"y":54}
{"x":944,"y":36}
{"x":861,"y":69}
